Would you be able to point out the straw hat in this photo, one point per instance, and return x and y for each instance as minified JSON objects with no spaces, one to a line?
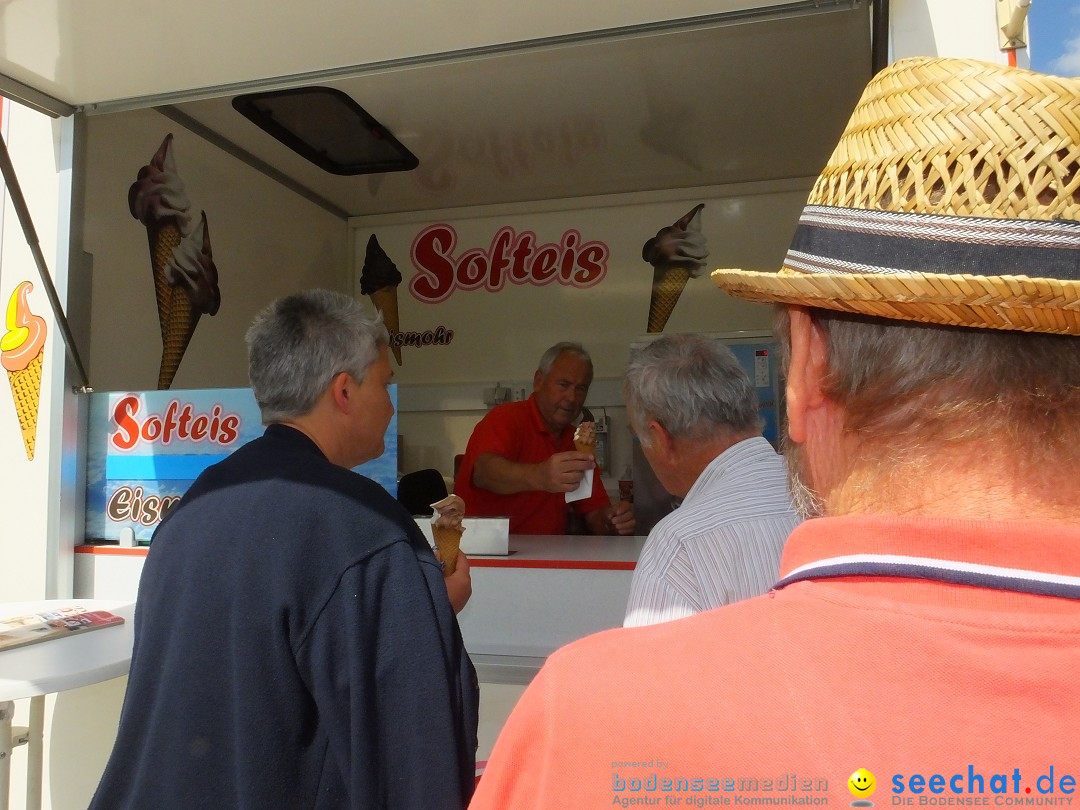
{"x":953,"y":197}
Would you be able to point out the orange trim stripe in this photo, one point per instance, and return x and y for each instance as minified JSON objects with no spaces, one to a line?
{"x":137,"y":551}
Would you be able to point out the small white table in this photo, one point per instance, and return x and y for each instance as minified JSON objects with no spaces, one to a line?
{"x":52,"y":666}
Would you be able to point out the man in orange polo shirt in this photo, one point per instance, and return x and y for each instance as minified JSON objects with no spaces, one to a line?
{"x":922,"y":646}
{"x":521,"y":461}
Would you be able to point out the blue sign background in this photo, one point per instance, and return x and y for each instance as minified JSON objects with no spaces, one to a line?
{"x":152,"y":470}
{"x":767,"y":354}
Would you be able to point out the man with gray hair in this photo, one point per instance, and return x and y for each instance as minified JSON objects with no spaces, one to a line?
{"x":694,"y":411}
{"x":521,"y":459}
{"x":295,"y":645}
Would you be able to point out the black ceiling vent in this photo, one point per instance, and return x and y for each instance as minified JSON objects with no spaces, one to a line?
{"x":328,"y":128}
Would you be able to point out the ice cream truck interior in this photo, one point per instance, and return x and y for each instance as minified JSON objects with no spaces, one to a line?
{"x":509,"y":160}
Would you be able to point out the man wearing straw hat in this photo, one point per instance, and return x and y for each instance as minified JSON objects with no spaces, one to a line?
{"x":923,"y":640}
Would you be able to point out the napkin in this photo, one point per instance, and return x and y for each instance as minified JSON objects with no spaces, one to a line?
{"x":584,"y":489}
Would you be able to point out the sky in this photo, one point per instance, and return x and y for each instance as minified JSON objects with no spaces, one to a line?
{"x":1054,"y":34}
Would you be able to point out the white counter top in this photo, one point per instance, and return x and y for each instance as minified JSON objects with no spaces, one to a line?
{"x":566,"y":551}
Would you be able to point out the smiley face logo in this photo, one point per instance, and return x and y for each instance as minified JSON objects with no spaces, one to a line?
{"x":862,"y":784}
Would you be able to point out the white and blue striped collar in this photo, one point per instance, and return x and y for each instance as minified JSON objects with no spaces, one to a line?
{"x":951,"y":571}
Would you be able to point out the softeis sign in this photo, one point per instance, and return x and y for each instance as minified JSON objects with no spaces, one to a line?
{"x":517,"y":258}
{"x":144,"y":449}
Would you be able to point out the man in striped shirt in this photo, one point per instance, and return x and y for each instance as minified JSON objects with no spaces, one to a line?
{"x":695,"y":413}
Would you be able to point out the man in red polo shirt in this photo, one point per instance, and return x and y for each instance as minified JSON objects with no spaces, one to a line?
{"x":521,"y":460}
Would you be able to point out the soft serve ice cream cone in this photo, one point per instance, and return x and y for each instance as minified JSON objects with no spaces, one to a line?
{"x":22,"y":349}
{"x":446,"y":530}
{"x":380,"y":278}
{"x":158,"y":200}
{"x":192,"y":279}
{"x":677,"y":254}
{"x":585,"y":438}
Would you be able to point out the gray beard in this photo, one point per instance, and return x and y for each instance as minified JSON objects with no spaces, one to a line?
{"x":804,"y":499}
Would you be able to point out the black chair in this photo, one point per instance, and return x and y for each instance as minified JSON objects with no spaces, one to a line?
{"x":416,"y":491}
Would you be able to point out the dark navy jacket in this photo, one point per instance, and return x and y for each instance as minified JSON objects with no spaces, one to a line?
{"x":294,"y":648}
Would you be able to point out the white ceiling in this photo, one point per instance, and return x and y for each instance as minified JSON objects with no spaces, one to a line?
{"x":83,"y":52}
{"x":576,"y":111}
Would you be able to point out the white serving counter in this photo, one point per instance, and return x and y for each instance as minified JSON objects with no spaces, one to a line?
{"x":549,"y":591}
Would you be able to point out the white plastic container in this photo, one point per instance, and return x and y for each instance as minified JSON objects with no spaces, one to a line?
{"x":482,"y":535}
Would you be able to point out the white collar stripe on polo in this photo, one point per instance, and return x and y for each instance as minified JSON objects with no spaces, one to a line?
{"x":958,"y":573}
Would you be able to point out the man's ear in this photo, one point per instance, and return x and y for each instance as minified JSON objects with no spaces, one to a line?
{"x":537,"y":379}
{"x":806,"y":372}
{"x":340,"y":393}
{"x":660,"y":440}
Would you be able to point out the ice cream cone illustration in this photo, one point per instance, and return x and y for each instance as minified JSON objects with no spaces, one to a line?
{"x":191,"y":277}
{"x":677,"y":253}
{"x":164,"y":239}
{"x":158,"y":200}
{"x":185,"y":277}
{"x":22,"y":349}
{"x":446,"y":530}
{"x":380,"y":278}
{"x":668,"y":284}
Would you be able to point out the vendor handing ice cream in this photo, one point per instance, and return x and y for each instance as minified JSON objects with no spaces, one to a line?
{"x":521,"y":460}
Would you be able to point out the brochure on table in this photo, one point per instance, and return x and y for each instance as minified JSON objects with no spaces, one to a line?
{"x":45,"y":625}
{"x":145,"y":448}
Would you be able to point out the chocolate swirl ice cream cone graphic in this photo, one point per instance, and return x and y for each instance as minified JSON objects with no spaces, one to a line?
{"x":22,"y":349}
{"x":158,"y":200}
{"x":193,"y":291}
{"x":186,"y":287}
{"x":380,"y":278}
{"x":677,"y":254}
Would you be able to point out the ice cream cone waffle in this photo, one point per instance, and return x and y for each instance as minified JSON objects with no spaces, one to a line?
{"x":668,"y":284}
{"x":386,"y":302}
{"x":22,"y":351}
{"x":446,"y":530}
{"x":178,"y":331}
{"x":164,"y":239}
{"x":585,"y":438}
{"x":26,"y":389}
{"x":448,"y":541}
